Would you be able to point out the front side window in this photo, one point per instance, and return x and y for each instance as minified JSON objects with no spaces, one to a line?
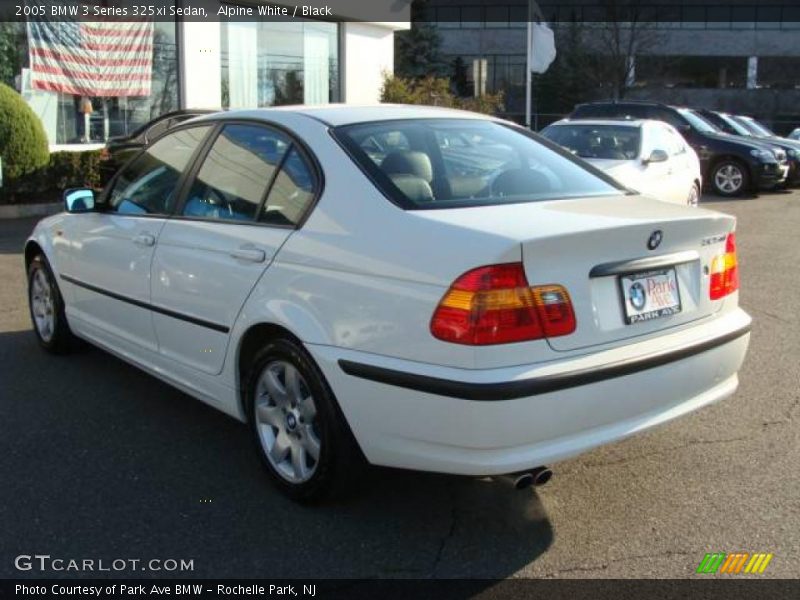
{"x":447,"y":163}
{"x":612,"y":142}
{"x":148,"y":186}
{"x":236,"y":173}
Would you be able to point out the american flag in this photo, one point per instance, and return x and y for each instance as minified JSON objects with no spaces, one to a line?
{"x":108,"y":58}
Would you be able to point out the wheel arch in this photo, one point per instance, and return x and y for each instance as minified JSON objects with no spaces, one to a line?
{"x":32,"y":249}
{"x":250,"y":342}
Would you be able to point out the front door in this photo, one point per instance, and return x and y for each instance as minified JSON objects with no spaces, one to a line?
{"x":111,"y":251}
{"x":250,"y":191}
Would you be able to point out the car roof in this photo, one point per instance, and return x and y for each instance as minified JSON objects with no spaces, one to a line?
{"x":600,"y":122}
{"x":348,"y":114}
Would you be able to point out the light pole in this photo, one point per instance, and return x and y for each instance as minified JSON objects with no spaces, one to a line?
{"x":533,"y":10}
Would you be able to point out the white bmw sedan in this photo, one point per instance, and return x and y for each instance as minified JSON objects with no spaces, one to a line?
{"x":420,"y":288}
{"x":648,"y":156}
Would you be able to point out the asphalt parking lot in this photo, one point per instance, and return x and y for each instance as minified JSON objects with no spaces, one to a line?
{"x":102,"y":461}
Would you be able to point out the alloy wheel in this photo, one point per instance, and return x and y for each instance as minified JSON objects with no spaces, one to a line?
{"x":729,"y":178}
{"x":286,"y":421}
{"x":43,"y":305}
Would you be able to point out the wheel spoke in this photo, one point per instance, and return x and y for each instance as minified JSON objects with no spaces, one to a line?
{"x":308,"y":409}
{"x":299,"y":461}
{"x":271,"y":415}
{"x":292,"y":380}
{"x":310,"y":443}
{"x":280,"y":448}
{"x":274,"y":387}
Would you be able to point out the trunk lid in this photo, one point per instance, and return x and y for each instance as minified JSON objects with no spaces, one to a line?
{"x":588,"y":245}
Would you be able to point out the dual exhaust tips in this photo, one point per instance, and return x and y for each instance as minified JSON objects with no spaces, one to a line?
{"x":536,"y":477}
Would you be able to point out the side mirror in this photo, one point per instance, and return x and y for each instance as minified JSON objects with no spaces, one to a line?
{"x":79,"y":200}
{"x":656,"y":156}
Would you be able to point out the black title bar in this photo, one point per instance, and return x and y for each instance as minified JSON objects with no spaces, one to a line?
{"x":463,"y":13}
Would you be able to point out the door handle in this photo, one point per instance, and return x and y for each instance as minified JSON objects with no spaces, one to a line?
{"x":144,"y":239}
{"x":249,"y":254}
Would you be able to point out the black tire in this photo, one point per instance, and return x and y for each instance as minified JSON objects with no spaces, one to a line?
{"x":340,"y":459}
{"x":729,"y":167}
{"x":60,"y":340}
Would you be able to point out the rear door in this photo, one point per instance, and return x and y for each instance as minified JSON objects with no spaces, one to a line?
{"x":243,"y":200}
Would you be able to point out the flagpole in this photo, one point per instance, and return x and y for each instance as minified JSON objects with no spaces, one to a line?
{"x":528,"y":78}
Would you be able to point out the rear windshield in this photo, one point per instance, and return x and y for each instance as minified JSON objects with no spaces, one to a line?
{"x":613,"y":142}
{"x":447,"y":163}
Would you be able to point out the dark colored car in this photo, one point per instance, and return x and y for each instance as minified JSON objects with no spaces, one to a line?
{"x":120,"y":149}
{"x":730,"y":165}
{"x":746,"y":127}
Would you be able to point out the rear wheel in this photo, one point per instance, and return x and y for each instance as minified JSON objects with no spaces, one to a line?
{"x":730,"y":178}
{"x":47,"y":308}
{"x":694,"y":195}
{"x":300,"y":434}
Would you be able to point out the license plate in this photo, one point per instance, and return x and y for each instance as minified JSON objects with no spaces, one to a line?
{"x":650,"y":295}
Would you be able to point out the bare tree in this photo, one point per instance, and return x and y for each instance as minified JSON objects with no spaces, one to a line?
{"x":623,"y":30}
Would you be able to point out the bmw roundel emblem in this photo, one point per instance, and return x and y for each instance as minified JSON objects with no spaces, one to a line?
{"x":655,"y":239}
{"x":637,"y":296}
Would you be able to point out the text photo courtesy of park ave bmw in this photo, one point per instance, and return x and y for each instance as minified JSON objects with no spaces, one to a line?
{"x":400,"y":298}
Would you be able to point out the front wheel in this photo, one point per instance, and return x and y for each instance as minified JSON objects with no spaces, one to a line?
{"x":301,"y":436}
{"x":47,"y":308}
{"x":730,"y":178}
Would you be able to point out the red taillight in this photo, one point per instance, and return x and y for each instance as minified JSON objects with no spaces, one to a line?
{"x":495,"y":305}
{"x":725,"y":271}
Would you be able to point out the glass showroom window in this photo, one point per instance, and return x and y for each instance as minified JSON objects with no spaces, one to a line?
{"x":268,"y":64}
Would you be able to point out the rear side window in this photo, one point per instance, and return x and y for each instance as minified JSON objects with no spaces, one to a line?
{"x":292,"y":192}
{"x":234,"y":177}
{"x":447,"y":163}
{"x":148,"y":185}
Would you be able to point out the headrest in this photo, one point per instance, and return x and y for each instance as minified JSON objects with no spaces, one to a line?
{"x":414,"y":188}
{"x":408,"y":162}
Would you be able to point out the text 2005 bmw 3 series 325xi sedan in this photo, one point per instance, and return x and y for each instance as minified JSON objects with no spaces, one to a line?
{"x":420,"y":288}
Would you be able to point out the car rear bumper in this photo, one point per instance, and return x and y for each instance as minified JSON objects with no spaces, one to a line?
{"x":494,"y":421}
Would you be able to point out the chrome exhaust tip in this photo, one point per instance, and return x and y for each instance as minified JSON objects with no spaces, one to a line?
{"x":522,"y":481}
{"x":540,"y":476}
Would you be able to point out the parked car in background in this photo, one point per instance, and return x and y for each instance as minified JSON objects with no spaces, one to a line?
{"x":349,"y":283}
{"x":736,"y":125}
{"x":120,"y":149}
{"x":730,"y":166}
{"x":648,"y":156}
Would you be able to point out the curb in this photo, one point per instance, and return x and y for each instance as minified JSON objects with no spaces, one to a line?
{"x":19,"y":211}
